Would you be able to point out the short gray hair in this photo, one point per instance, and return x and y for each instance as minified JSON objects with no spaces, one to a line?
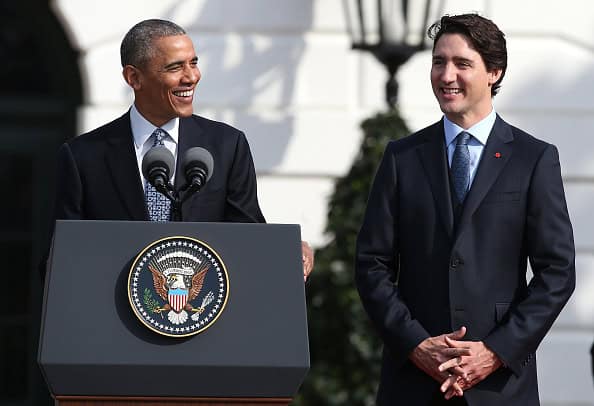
{"x":137,"y":46}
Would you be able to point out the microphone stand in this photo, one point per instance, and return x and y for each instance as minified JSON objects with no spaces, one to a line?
{"x":170,"y":193}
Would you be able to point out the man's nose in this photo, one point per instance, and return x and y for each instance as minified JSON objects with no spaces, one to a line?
{"x":191,"y":74}
{"x":448,"y":73}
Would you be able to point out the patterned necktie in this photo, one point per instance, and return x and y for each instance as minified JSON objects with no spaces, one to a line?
{"x":159,"y":206}
{"x":461,"y":166}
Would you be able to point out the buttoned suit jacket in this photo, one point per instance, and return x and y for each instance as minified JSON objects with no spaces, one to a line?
{"x":99,"y":178}
{"x":420,"y":273}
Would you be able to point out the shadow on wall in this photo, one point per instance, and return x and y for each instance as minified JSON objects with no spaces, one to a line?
{"x":249,"y":69}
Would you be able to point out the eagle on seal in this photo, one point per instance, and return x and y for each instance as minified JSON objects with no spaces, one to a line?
{"x":173,"y":289}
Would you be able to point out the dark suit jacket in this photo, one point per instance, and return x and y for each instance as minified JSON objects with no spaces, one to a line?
{"x":419,"y":276}
{"x":98,"y":177}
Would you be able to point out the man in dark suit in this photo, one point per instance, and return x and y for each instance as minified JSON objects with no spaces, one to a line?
{"x":99,"y":173}
{"x":455,"y":212}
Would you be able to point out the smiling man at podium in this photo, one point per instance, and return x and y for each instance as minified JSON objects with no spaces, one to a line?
{"x":100,"y":172}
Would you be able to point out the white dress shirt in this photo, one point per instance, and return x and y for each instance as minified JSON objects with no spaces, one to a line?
{"x":142,"y":130}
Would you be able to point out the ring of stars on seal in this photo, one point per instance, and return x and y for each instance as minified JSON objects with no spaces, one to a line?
{"x":178,"y":286}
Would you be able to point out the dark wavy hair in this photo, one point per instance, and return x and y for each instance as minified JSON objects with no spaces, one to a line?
{"x":484,"y":36}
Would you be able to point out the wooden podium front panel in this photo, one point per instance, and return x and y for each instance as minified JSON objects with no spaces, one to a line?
{"x":155,"y":401}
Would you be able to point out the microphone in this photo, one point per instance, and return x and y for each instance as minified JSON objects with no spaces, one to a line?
{"x":198,"y":166}
{"x":157,"y":166}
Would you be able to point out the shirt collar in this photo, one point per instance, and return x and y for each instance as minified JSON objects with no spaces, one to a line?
{"x":142,"y":129}
{"x":480,"y":131}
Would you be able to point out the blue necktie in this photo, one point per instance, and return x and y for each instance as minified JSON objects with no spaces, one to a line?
{"x":159,"y":206}
{"x":461,"y":166}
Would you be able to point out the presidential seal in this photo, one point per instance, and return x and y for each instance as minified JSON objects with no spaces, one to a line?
{"x":178,"y":286}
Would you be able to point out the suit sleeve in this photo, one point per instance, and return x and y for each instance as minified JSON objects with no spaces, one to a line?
{"x":68,"y":200}
{"x":549,"y":242}
{"x":242,"y":194}
{"x":376,"y":265}
{"x":68,"y":203}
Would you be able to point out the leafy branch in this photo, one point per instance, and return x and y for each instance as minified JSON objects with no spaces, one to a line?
{"x":151,"y":304}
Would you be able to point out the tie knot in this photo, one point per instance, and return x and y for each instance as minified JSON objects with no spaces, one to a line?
{"x":463,"y":138}
{"x":158,"y":136}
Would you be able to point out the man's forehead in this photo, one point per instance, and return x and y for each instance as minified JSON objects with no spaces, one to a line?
{"x":174,"y":48}
{"x":173,"y":41}
{"x":462,"y":43}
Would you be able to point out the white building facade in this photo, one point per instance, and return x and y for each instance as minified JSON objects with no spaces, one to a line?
{"x":283,"y":71}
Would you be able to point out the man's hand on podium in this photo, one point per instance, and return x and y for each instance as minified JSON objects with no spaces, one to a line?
{"x":307,"y":256}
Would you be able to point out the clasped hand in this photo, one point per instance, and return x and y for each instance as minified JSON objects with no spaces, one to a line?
{"x":457,"y":365}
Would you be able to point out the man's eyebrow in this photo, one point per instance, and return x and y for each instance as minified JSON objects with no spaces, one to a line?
{"x":455,"y":58}
{"x":462,"y":59}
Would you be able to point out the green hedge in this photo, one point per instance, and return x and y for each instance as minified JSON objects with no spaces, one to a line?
{"x":345,"y":351}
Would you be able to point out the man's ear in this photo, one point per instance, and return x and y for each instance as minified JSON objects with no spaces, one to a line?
{"x":132,"y":76}
{"x":494,"y":76}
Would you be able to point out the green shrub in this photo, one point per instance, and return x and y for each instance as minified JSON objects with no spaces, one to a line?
{"x":345,"y":351}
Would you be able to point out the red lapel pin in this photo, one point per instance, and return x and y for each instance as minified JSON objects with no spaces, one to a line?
{"x":497,"y":154}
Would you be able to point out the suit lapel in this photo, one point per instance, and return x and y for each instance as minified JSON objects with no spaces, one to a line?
{"x":188,"y":138}
{"x":495,"y":156}
{"x":190,"y":135}
{"x":121,"y":161}
{"x":434,"y":159}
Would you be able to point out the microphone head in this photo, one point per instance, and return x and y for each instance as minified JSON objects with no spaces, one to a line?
{"x":198,"y":156}
{"x":160,"y":158}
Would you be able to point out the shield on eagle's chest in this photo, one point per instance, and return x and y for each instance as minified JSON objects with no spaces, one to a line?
{"x":177,"y":298}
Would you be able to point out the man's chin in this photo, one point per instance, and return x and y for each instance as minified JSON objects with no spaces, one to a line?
{"x":183,"y":113}
{"x":448,"y":108}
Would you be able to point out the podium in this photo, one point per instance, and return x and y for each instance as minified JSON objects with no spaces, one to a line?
{"x":95,"y":351}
